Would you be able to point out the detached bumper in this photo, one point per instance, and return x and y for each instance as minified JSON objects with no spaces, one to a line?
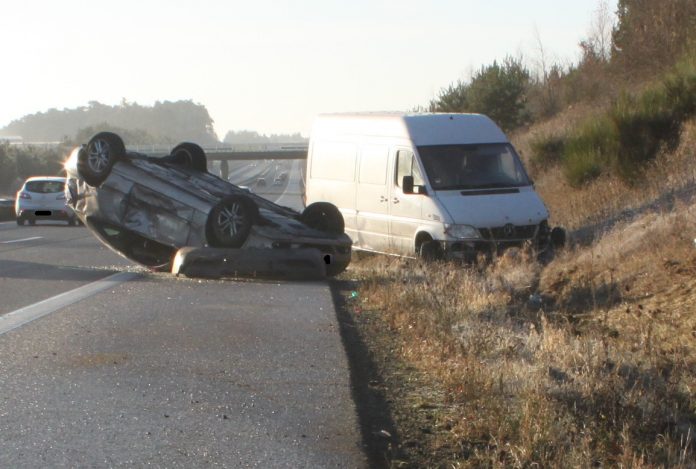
{"x":290,"y":264}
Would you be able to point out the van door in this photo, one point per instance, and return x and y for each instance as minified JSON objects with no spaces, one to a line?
{"x":372,"y":198}
{"x":405,"y":209}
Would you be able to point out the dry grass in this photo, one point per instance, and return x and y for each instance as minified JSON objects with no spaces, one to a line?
{"x":588,"y":361}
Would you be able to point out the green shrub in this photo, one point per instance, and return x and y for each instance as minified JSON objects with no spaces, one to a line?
{"x":680,"y":88}
{"x":634,"y":130}
{"x":547,"y":151}
{"x":643,"y":126}
{"x":589,"y":151}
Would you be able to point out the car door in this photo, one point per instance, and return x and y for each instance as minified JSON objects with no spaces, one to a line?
{"x":405,"y":209}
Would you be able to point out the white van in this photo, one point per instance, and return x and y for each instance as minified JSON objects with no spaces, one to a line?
{"x":434,"y":185}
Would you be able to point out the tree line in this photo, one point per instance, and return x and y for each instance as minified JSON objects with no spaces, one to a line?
{"x":164,"y":122}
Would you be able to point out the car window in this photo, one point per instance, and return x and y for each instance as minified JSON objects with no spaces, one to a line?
{"x":45,"y":187}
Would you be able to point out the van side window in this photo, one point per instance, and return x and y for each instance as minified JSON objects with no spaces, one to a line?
{"x":406,"y":165}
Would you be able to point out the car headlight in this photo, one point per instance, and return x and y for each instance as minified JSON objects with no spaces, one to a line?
{"x":462,"y":231}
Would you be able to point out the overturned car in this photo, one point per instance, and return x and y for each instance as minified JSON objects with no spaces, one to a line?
{"x":147,"y":208}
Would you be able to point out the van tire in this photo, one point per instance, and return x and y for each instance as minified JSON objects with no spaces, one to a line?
{"x":558,"y":237}
{"x":430,"y":251}
{"x":324,"y":216}
{"x":230,"y":221}
{"x":95,"y":160}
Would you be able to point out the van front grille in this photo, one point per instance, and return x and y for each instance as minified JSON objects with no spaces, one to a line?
{"x":509,"y":232}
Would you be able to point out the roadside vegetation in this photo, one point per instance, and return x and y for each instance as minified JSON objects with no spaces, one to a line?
{"x":589,"y":360}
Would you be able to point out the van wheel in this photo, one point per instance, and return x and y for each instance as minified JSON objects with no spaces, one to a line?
{"x":94,"y":162}
{"x":229,"y":222}
{"x":430,"y":251}
{"x":189,"y":155}
{"x":323,"y":216}
{"x":558,"y":237}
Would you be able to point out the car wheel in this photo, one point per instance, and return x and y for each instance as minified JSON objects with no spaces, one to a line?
{"x":323,"y":216}
{"x":95,"y":161}
{"x":72,"y":222}
{"x":230,"y":221}
{"x":20,"y":221}
{"x":189,"y":155}
{"x":333,"y":268}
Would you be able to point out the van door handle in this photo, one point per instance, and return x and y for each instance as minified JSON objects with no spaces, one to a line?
{"x":395,"y":200}
{"x":383,"y":199}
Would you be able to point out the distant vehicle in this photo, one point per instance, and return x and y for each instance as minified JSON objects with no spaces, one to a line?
{"x":429,"y":185}
{"x":43,"y":198}
{"x":147,"y":208}
{"x":261,"y":182}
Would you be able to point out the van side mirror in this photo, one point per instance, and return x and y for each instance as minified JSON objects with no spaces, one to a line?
{"x":407,"y":184}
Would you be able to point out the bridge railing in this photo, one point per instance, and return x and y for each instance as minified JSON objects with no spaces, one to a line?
{"x":278,"y":151}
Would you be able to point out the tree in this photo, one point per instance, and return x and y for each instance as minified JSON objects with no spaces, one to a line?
{"x":500,"y":92}
{"x":651,"y":35}
{"x":497,"y":90}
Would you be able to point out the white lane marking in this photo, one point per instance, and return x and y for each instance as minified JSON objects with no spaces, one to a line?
{"x":21,"y":240}
{"x":29,"y":313}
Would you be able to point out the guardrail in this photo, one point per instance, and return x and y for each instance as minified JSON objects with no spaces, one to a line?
{"x":234,"y":152}
{"x":276,"y":151}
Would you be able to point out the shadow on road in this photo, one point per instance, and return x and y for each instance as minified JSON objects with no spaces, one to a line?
{"x":374,"y":412}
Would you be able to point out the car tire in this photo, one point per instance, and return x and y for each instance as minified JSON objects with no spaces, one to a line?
{"x":189,"y":155}
{"x":230,"y":221}
{"x":95,"y":161}
{"x":323,"y":216}
{"x":20,"y":221}
{"x":334,"y":268}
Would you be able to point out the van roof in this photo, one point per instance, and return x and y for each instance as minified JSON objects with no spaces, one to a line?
{"x":420,"y":128}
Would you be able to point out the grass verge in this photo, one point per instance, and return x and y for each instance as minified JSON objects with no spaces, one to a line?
{"x":588,"y":361}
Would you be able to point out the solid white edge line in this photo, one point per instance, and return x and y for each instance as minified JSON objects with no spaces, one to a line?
{"x":24,"y":315}
{"x":20,"y":240}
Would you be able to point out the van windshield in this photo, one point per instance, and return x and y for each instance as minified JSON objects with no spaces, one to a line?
{"x":484,"y":166}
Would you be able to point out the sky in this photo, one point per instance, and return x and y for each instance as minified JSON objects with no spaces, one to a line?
{"x":269,"y":65}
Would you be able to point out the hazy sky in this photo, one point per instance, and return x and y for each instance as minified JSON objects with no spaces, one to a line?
{"x":265,"y":65}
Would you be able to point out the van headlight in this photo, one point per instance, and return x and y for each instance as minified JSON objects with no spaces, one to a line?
{"x":462,"y":231}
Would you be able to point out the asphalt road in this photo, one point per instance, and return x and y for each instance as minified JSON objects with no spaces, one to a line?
{"x":137,"y":369}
